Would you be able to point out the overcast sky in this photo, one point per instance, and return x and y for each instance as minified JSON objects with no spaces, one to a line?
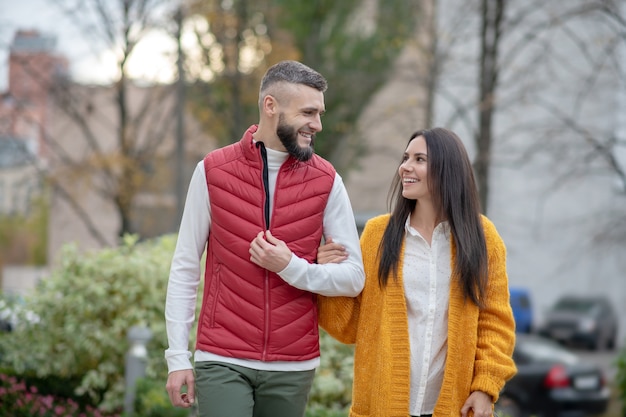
{"x":87,"y":63}
{"x":42,"y":16}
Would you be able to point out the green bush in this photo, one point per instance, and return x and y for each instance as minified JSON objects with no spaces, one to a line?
{"x":332,"y":386}
{"x":51,"y":385}
{"x":321,"y":411}
{"x":23,"y":237}
{"x":83,"y":312}
{"x":152,"y":401}
{"x":85,"y":309}
{"x":620,"y":378}
{"x":22,"y":400}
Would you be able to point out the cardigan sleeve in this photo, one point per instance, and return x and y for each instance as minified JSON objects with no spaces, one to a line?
{"x":339,"y":316}
{"x":496,"y":326}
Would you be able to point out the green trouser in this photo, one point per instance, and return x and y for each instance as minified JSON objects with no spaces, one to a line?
{"x":226,"y":390}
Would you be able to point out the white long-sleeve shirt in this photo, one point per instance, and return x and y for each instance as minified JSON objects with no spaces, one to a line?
{"x":426,"y":277}
{"x":344,"y":279}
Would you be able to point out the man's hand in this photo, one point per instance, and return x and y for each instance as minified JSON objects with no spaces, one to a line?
{"x":269,"y":252}
{"x":331,"y":252}
{"x":175,"y":382}
{"x":480,"y":403}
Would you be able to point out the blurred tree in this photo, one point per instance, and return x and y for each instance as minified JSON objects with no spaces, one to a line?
{"x":582,"y":48}
{"x":138,"y":129}
{"x":352,"y":43}
{"x":492,"y":16}
{"x":520,"y":60}
{"x":225,"y":73}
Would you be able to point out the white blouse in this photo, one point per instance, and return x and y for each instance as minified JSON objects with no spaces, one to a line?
{"x":426,"y":275}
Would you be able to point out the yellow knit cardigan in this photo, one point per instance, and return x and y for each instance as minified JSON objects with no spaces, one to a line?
{"x":480,"y":342}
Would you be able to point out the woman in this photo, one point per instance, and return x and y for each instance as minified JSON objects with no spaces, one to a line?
{"x":433,"y":328}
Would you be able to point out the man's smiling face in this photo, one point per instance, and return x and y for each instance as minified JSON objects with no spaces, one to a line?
{"x":299,"y":120}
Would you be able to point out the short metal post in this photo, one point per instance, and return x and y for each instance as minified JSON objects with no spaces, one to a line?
{"x":136,"y":361}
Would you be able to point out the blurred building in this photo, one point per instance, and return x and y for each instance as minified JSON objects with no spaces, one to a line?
{"x":34,"y":70}
{"x":24,"y":110}
{"x":19,"y":179}
{"x":54,"y":137}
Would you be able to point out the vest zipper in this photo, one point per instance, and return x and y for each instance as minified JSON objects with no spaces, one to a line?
{"x":266,"y":188}
{"x":266,"y":214}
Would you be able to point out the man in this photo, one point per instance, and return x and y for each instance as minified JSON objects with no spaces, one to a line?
{"x":261,"y":207}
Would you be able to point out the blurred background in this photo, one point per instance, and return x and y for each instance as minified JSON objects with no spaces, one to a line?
{"x":106,"y":107}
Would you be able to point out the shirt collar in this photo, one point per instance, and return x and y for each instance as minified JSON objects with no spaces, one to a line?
{"x":444,"y":226}
{"x":275,"y":158}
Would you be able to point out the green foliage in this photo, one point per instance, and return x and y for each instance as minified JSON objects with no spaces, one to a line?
{"x":75,"y":328}
{"x":85,"y":310}
{"x":320,"y":411}
{"x":61,"y":389}
{"x":152,"y":400}
{"x":355,"y":52}
{"x":620,"y":378}
{"x":234,"y":43}
{"x":76,"y":345}
{"x":23,"y":237}
{"x":20,"y":400}
{"x":332,"y":386}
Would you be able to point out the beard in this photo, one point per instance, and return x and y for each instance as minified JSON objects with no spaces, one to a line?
{"x":288,"y":136}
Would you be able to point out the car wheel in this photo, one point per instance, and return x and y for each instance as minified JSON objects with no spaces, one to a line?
{"x":507,"y":407}
{"x":611,"y":344}
{"x":601,"y":342}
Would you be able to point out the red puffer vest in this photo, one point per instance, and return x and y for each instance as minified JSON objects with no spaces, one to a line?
{"x":247,"y":311}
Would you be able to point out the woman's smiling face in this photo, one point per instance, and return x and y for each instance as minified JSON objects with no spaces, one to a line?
{"x":414,"y":170}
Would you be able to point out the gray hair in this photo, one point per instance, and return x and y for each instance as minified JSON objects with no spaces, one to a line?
{"x":292,"y":72}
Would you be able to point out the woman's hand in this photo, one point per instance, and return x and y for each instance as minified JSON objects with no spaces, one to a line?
{"x":331,"y":252}
{"x":480,"y":403}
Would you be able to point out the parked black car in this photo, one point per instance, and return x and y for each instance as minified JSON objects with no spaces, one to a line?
{"x":590,"y":321}
{"x":552,"y":381}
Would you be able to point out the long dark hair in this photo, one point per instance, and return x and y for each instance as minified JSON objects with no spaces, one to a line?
{"x":455,"y":196}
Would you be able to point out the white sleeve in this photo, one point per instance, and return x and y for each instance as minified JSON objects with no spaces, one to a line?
{"x":346,"y":278}
{"x":185,"y":271}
